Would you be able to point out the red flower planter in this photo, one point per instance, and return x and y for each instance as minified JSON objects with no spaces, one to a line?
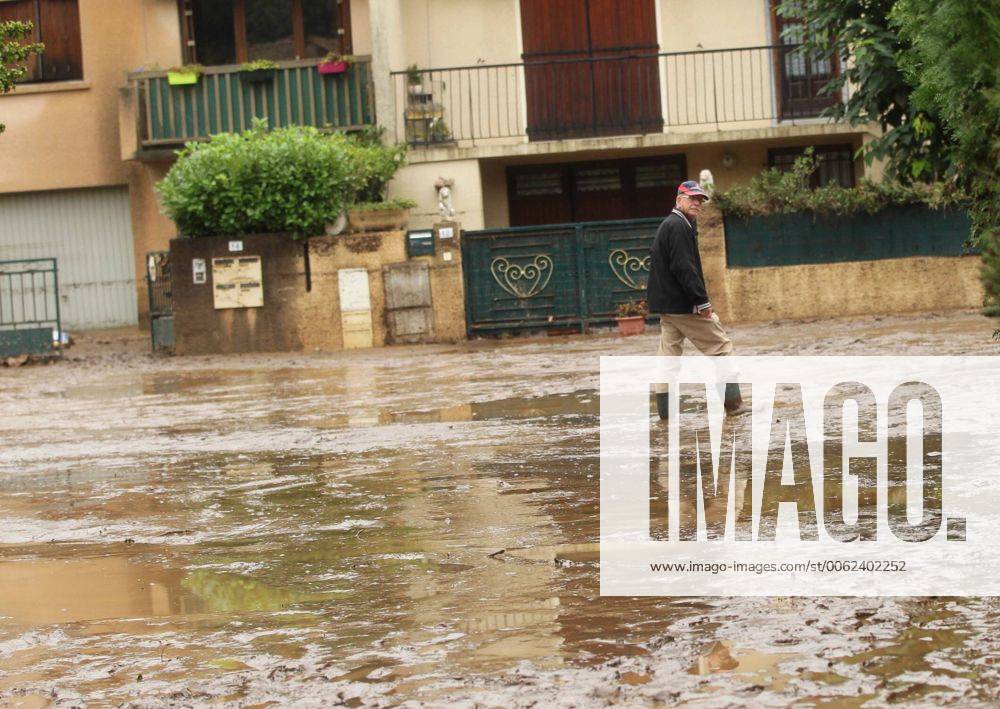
{"x":332,"y":67}
{"x":635,"y":325}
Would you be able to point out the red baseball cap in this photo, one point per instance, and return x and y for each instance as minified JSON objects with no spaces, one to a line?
{"x":692,"y":189}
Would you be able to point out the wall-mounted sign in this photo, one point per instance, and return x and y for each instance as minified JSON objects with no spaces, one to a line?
{"x":237,"y":282}
{"x":199,"y":271}
{"x":235,"y":245}
{"x":446,"y":233}
{"x":420,"y":242}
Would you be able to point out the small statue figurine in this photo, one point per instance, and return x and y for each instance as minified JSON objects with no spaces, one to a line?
{"x":707,"y":181}
{"x":444,"y":198}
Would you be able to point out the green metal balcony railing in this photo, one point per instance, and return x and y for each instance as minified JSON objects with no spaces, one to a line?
{"x":222,"y":101}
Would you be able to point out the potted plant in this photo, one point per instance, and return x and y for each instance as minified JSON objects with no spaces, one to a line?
{"x":257,"y":71}
{"x":334,"y":63}
{"x":632,"y":317}
{"x":375,"y":164}
{"x":185,"y":75}
{"x":439,"y":131}
{"x":414,"y":80}
{"x":387,"y":215}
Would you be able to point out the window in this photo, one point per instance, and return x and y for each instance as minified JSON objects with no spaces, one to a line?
{"x":598,"y":179}
{"x":235,"y":31}
{"x":57,"y":25}
{"x":626,"y":188}
{"x":801,"y":76}
{"x":836,"y":164}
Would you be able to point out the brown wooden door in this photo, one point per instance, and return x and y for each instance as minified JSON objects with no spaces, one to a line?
{"x":560,"y":94}
{"x":582,"y":76}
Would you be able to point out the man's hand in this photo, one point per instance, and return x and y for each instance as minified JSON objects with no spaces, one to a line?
{"x":706,"y":313}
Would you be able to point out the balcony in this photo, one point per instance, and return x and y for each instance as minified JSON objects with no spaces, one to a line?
{"x":607,"y":96}
{"x":223,"y":101}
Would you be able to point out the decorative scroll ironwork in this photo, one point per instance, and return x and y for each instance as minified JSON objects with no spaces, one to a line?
{"x":628,"y":269}
{"x":522,"y":280}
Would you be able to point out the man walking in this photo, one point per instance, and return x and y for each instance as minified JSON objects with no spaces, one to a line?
{"x":676,"y":290}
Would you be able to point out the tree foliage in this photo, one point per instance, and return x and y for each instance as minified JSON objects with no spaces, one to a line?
{"x":13,"y":53}
{"x":927,"y":72}
{"x":953,"y":65}
{"x":912,"y":144}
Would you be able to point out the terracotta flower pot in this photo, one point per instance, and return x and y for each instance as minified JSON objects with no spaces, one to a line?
{"x":633,"y":325}
{"x":332,"y":67}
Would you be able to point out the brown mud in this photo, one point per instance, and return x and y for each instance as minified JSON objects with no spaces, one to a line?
{"x":405,"y":525}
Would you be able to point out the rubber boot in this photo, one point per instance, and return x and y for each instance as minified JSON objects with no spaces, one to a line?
{"x":734,"y":401}
{"x":662,"y":406}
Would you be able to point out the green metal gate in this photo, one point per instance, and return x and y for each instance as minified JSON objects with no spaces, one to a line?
{"x":29,"y":307}
{"x":161,"y":303}
{"x":554,"y":276}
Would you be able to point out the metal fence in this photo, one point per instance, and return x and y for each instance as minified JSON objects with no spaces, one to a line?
{"x":224,"y":100}
{"x":159,"y":288}
{"x":612,"y":95}
{"x":29,"y":306}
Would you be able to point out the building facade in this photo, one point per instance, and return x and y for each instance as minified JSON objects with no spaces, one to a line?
{"x":537,"y":111}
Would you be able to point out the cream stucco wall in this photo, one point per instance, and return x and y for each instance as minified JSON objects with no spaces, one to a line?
{"x":65,"y":134}
{"x":416,"y":182}
{"x":715,"y":25}
{"x":361,"y":34}
{"x":444,"y":33}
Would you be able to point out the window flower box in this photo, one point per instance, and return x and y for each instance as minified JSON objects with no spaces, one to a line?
{"x":334,"y":67}
{"x":182,"y":78}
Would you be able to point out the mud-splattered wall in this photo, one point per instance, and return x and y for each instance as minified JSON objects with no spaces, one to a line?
{"x":302,"y":309}
{"x":894,"y":285}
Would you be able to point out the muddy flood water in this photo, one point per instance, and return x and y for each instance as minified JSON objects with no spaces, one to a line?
{"x":406,"y":525}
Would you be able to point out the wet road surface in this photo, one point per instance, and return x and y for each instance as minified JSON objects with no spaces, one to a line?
{"x":402,"y":525}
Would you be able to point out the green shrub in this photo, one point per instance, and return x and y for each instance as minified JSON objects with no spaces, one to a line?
{"x":376,"y":163}
{"x":258,"y":65}
{"x":776,"y":192}
{"x":990,"y":244}
{"x":295,"y":180}
{"x":387,"y":204}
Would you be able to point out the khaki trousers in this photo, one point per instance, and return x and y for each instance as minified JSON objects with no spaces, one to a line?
{"x":704,"y":333}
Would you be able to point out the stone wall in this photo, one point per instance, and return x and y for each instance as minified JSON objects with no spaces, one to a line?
{"x":896,"y":285}
{"x":301,"y":310}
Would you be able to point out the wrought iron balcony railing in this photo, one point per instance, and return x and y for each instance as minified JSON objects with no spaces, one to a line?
{"x":610,"y":95}
{"x":225,"y":100}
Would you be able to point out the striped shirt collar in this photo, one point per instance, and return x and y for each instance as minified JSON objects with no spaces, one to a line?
{"x":682,"y":216}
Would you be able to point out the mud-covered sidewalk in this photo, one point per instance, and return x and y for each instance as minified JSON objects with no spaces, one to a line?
{"x":409,"y":524}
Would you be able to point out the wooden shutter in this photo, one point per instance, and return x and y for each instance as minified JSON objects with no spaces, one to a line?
{"x":59,"y":30}
{"x":626,"y":91}
{"x":598,"y":95}
{"x":560,"y":94}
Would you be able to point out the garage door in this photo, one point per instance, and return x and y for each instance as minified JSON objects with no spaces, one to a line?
{"x":89,"y":232}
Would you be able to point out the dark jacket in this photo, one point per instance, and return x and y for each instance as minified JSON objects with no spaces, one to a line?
{"x":676,"y":283}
